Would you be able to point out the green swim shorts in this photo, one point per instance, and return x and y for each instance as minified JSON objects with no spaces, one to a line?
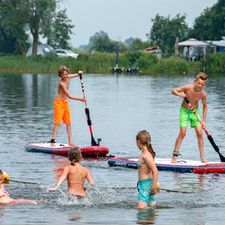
{"x":187,"y":115}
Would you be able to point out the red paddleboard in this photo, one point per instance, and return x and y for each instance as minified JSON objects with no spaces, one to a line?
{"x":63,"y":149}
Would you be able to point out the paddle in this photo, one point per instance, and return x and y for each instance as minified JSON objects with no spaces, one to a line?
{"x":23,"y":182}
{"x":209,"y":136}
{"x":87,"y":112}
{"x":161,"y":189}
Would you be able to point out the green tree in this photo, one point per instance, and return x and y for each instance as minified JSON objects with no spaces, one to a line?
{"x":101,"y":42}
{"x":13,"y":37}
{"x":210,"y":25}
{"x":39,"y":18}
{"x":136,"y":44}
{"x":61,"y":30}
{"x":165,"y":30}
{"x":39,"y":15}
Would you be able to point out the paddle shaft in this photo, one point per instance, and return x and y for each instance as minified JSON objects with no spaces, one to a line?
{"x":161,"y":189}
{"x":209,"y":136}
{"x":87,"y":112}
{"x":23,"y":182}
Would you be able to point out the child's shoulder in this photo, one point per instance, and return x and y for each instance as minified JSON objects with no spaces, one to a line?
{"x":83,"y":168}
{"x":188,"y":86}
{"x":148,"y":155}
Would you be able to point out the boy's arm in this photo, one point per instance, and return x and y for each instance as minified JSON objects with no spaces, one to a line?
{"x":180,"y":91}
{"x":80,"y":72}
{"x":151,"y":164}
{"x":66,"y":92}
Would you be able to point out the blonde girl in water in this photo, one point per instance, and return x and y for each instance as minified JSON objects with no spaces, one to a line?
{"x":75,"y":174}
{"x":147,"y":171}
{"x":4,"y":194}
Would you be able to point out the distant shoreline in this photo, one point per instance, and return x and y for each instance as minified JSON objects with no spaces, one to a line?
{"x":103,"y":63}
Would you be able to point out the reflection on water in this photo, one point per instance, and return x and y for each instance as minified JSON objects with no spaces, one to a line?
{"x":147,"y":216}
{"x":120,"y":106}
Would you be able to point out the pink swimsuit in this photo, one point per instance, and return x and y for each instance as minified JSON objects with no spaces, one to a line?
{"x":5,"y":194}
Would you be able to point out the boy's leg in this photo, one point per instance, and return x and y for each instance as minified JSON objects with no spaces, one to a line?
{"x":67,"y":120}
{"x":199,"y":135}
{"x":54,"y":134}
{"x":183,"y":120}
{"x":58,"y":113}
{"x":69,"y":133}
{"x":178,"y":143}
{"x":198,"y":129}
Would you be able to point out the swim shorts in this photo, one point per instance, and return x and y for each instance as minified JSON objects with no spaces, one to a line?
{"x":61,"y":111}
{"x":144,"y":187}
{"x":187,"y":115}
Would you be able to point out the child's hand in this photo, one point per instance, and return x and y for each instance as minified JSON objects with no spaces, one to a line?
{"x":203,"y":124}
{"x":80,"y":72}
{"x":153,"y":191}
{"x":182,"y":95}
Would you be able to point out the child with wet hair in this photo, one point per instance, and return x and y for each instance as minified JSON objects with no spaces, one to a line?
{"x":75,"y":174}
{"x":147,"y":171}
{"x":4,"y":194}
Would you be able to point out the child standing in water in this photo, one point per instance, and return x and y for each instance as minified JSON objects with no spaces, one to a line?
{"x":76,"y":174}
{"x":61,"y":104}
{"x":4,"y":194}
{"x":147,"y":171}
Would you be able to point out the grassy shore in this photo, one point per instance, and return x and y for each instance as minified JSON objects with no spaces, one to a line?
{"x":104,"y":62}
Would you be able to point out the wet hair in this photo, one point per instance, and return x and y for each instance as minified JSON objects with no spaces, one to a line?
{"x":145,"y":139}
{"x":74,"y":155}
{"x":202,"y":76}
{"x":5,"y":176}
{"x":61,"y":70}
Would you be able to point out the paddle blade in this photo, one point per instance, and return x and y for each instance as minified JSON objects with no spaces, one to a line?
{"x":216,"y":148}
{"x":93,"y":142}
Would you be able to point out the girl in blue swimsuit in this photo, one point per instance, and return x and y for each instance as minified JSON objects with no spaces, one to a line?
{"x":147,"y":171}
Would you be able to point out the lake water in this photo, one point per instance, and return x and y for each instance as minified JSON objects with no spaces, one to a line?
{"x":120,"y":106}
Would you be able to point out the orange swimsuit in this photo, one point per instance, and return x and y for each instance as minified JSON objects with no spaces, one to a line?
{"x":61,"y":111}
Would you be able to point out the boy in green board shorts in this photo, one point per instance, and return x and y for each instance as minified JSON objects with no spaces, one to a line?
{"x":194,"y":92}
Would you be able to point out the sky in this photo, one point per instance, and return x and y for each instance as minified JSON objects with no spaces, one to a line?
{"x":122,"y":19}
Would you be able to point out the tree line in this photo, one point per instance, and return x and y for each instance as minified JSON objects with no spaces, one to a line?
{"x":37,"y":17}
{"x":40,"y":17}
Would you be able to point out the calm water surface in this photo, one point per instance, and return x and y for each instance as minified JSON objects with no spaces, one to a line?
{"x":120,"y":106}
